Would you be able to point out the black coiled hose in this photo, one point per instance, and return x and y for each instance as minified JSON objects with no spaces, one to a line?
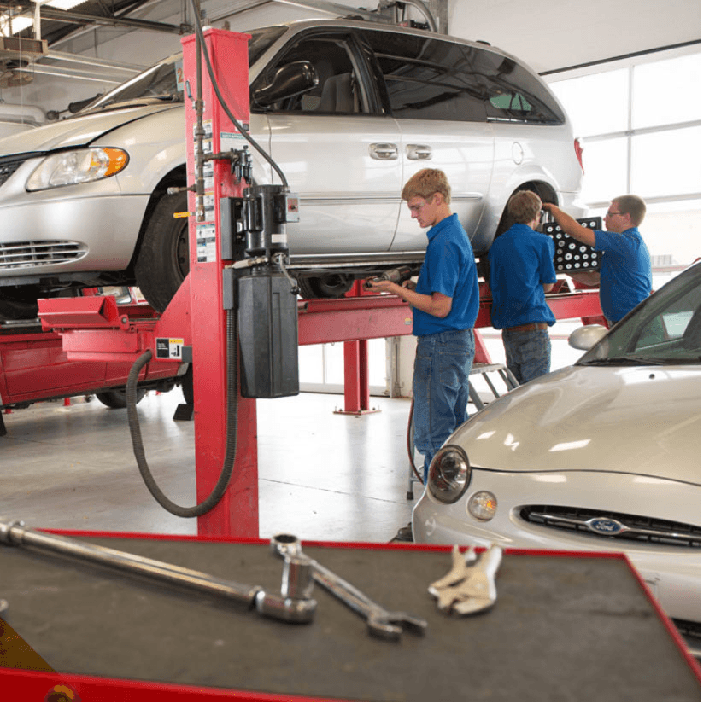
{"x":219,"y":489}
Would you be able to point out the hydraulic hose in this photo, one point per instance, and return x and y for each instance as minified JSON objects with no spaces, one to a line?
{"x":219,"y":489}
{"x":242,"y":129}
{"x":410,"y":442}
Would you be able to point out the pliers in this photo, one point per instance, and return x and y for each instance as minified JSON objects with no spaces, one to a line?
{"x":470,"y":586}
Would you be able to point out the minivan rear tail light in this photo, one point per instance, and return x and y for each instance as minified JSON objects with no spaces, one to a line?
{"x":579,"y":150}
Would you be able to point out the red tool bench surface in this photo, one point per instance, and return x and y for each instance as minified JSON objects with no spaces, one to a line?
{"x":565,"y":627}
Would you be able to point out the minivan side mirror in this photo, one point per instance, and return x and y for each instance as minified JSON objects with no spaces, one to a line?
{"x":585,"y":337}
{"x":289,"y":80}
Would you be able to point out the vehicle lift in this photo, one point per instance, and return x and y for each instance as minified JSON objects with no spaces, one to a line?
{"x":236,"y":234}
{"x":34,"y":367}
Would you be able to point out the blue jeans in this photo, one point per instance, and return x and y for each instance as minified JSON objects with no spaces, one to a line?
{"x":527,"y":353}
{"x":441,"y":388}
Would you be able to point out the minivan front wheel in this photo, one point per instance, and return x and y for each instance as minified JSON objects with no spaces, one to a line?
{"x":163,"y":261}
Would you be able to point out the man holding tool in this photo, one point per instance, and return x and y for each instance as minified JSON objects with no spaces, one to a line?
{"x":446,"y":303}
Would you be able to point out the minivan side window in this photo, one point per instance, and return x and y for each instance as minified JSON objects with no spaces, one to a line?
{"x":429,"y":78}
{"x":515,"y":94}
{"x":339,"y":90}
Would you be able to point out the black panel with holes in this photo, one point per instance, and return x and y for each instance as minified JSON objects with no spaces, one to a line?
{"x":572,"y":256}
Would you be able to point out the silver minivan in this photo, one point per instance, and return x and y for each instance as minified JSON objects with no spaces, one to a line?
{"x":348,"y":109}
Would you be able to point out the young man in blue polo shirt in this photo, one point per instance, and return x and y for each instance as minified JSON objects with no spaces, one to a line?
{"x":446,"y":303}
{"x":521,"y":272}
{"x":626,"y":273}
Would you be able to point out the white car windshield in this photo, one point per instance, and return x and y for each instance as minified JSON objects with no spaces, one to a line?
{"x":664,"y":329}
{"x":164,"y":82}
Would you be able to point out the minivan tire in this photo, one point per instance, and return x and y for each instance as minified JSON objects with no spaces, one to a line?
{"x":163,"y":261}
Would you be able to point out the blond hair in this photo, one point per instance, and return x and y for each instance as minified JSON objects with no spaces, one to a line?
{"x":426,"y":183}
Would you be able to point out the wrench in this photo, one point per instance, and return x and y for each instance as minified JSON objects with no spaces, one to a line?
{"x":293,"y":604}
{"x":381,"y":623}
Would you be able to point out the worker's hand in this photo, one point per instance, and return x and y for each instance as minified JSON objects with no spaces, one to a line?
{"x":551,"y":208}
{"x":382,"y":286}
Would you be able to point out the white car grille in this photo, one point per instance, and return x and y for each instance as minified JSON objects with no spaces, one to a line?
{"x":614,"y":525}
{"x":7,"y":168}
{"x":36,"y":254}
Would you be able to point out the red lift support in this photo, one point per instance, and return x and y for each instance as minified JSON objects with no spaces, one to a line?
{"x":34,"y":367}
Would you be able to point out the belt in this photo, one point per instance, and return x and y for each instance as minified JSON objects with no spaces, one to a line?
{"x":529,"y":327}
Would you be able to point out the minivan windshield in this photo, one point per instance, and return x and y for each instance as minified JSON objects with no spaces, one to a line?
{"x":164,"y":81}
{"x":665,"y":329}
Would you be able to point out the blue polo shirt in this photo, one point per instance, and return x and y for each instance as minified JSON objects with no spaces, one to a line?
{"x":520,"y":262}
{"x":449,"y":268}
{"x":626,"y":273}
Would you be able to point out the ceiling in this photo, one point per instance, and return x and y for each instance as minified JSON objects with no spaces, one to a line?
{"x":550,"y":35}
{"x":118,"y":36}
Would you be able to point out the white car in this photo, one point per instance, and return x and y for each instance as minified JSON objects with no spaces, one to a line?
{"x":349,"y":110}
{"x":602,"y":455}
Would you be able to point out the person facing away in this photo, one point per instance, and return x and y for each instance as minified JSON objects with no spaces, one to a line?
{"x":446,"y":303}
{"x":625,"y":276}
{"x":521,"y":272}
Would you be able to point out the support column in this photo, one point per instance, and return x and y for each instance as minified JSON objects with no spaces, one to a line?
{"x":236,"y":515}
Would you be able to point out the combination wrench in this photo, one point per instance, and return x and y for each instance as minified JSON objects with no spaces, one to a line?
{"x":382,"y":623}
{"x":293,"y":604}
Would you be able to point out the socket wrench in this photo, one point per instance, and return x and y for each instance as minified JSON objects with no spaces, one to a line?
{"x":381,"y":623}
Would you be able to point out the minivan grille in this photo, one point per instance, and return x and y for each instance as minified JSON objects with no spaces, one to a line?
{"x":7,"y":168}
{"x":614,"y":525}
{"x":36,"y":254}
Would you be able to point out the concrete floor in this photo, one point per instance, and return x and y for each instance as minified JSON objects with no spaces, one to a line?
{"x":322,"y":476}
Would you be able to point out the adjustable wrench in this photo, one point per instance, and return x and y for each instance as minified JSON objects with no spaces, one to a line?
{"x":381,"y":623}
{"x":293,"y":604}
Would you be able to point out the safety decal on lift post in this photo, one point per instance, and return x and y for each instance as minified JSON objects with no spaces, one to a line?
{"x":231,"y":141}
{"x":206,"y":243}
{"x":171,"y":349}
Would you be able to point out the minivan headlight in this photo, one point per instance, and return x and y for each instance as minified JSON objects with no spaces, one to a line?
{"x":450,"y":474}
{"x":79,"y":166}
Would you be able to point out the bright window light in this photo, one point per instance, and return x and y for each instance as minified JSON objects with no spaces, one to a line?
{"x":64,"y":4}
{"x":18,"y":24}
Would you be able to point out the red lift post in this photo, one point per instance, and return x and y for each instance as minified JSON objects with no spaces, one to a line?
{"x":237,"y":513}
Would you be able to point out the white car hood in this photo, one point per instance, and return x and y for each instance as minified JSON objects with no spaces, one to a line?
{"x":77,"y":131}
{"x":635,"y":420}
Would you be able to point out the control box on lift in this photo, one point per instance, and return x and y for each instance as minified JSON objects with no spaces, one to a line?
{"x":264,"y":294}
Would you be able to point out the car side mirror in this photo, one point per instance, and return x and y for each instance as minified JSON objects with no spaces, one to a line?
{"x":586,"y":337}
{"x":289,"y":80}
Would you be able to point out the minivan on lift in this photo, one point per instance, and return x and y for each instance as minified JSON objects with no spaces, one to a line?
{"x":349,"y":110}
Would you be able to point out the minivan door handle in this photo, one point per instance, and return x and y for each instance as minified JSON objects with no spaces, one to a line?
{"x":384,"y":151}
{"x":418,"y":152}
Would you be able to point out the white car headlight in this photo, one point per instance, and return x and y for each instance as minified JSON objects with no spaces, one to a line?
{"x":79,"y":166}
{"x":450,"y":474}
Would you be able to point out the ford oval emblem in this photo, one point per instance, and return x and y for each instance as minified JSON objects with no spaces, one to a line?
{"x":604,"y":526}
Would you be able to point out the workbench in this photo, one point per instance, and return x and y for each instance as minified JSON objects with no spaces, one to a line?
{"x":565,"y":627}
